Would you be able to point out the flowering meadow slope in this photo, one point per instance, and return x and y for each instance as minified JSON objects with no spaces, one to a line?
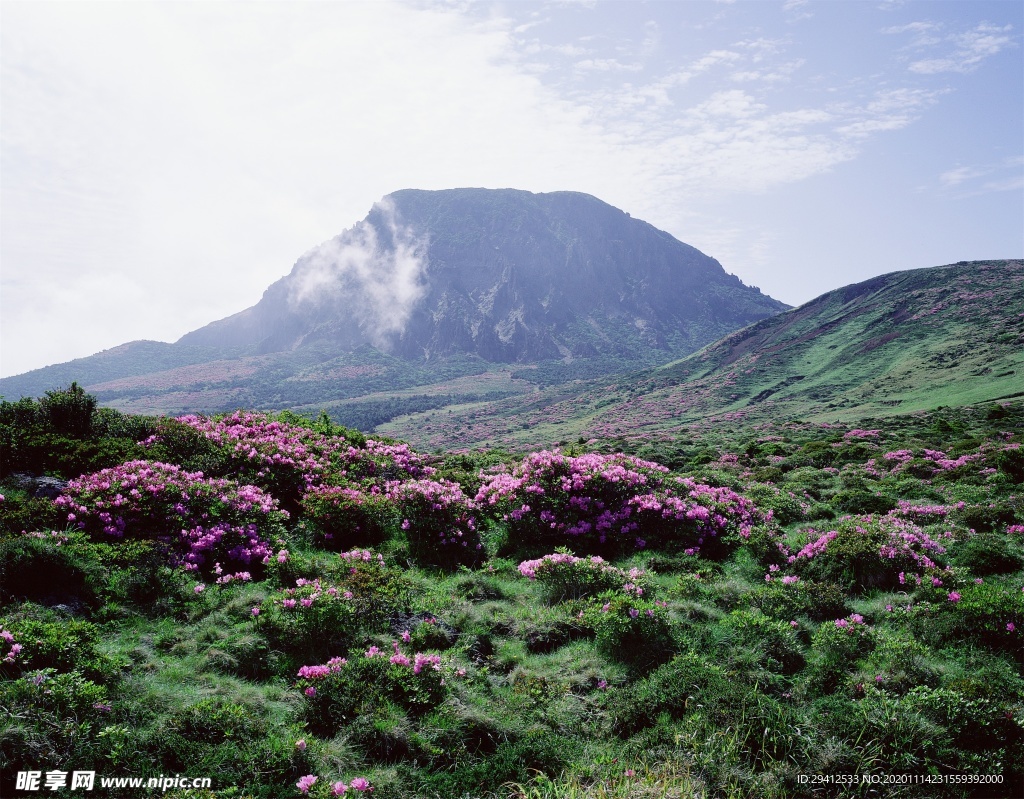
{"x":287,"y":608}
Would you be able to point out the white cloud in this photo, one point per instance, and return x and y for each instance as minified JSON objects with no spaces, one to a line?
{"x":964,"y":51}
{"x":382,"y":281}
{"x":606,"y":65}
{"x":1006,"y":175}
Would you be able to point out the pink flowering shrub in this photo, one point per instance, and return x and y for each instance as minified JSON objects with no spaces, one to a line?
{"x":610,"y":502}
{"x":281,"y":458}
{"x":209,"y":526}
{"x":567,"y":577}
{"x":345,"y":516}
{"x":867,"y":552}
{"x":311,"y":619}
{"x":344,"y":688}
{"x":439,"y":522}
{"x":379,"y":464}
{"x":10,"y":649}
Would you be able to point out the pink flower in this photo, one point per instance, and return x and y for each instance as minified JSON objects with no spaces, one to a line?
{"x":630,"y":772}
{"x":255,"y":611}
{"x":406,"y":636}
{"x":311,"y":691}
{"x":305,"y":783}
{"x":199,"y":588}
{"x":1010,"y":627}
{"x":602,"y":685}
{"x":360,"y":784}
{"x":954,"y":596}
{"x":338,"y":789}
{"x":301,"y":744}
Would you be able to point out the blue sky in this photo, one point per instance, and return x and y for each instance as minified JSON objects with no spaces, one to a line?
{"x":162,"y":163}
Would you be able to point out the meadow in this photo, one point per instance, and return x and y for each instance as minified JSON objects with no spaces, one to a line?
{"x":745,"y":608}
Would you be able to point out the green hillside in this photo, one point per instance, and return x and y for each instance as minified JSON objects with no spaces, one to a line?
{"x":896,"y":344}
{"x":255,"y":606}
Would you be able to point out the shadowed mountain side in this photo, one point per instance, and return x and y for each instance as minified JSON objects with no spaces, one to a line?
{"x":898,"y":343}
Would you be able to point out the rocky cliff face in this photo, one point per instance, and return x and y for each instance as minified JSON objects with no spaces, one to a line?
{"x":507,"y":275}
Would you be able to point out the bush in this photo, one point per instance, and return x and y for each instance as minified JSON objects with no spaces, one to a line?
{"x":567,"y":577}
{"x":50,"y":568}
{"x":817,"y":601}
{"x":439,"y":522}
{"x":866,"y":553}
{"x":311,"y":621}
{"x":987,"y":554}
{"x":612,"y":503}
{"x":58,"y":646}
{"x":632,"y":630}
{"x":670,"y":689}
{"x":345,"y":516}
{"x":776,"y":639}
{"x":69,"y":411}
{"x":341,"y":690}
{"x":206,"y":524}
{"x":989,"y":614}
{"x":835,"y":649}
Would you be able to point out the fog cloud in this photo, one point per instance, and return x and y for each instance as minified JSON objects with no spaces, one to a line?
{"x":375,"y":271}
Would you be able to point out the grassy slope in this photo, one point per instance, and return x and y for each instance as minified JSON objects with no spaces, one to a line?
{"x":195,"y":687}
{"x":898,"y":343}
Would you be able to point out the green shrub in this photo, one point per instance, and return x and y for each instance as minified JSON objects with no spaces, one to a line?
{"x":816,"y":600}
{"x":835,"y":649}
{"x":785,"y":506}
{"x":686,"y":680}
{"x":988,"y":613}
{"x":859,"y":501}
{"x":69,"y":411}
{"x":49,"y":569}
{"x":632,"y":630}
{"x":64,"y":646}
{"x":987,"y":554}
{"x":776,"y":639}
{"x":311,"y":621}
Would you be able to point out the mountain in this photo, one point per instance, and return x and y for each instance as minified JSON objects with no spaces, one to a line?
{"x":506,"y":275}
{"x":514,"y":289}
{"x":899,"y":343}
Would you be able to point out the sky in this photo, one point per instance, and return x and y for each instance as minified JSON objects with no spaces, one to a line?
{"x":162,"y":163}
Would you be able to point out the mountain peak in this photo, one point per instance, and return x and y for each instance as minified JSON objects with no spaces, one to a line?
{"x":504,"y":274}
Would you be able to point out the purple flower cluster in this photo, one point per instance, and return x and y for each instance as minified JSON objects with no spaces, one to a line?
{"x":13,"y":647}
{"x":601,"y":499}
{"x":439,"y":521}
{"x":202,"y":520}
{"x":267,"y":444}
